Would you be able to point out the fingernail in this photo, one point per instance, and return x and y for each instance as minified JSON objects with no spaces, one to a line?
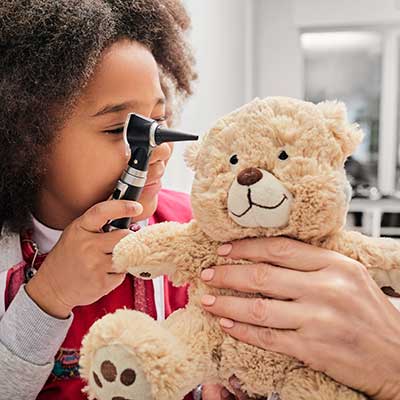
{"x":226,"y":323}
{"x":224,"y":250}
{"x":208,"y":300}
{"x":207,"y":274}
{"x":235,"y":383}
{"x":136,"y":206}
{"x":225,"y":394}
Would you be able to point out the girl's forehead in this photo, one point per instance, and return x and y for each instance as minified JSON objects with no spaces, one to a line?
{"x":127,"y":72}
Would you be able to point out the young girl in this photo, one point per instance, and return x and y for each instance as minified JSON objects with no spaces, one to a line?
{"x":70,"y":72}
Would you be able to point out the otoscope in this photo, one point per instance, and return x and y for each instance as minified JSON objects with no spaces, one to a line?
{"x":143,"y":135}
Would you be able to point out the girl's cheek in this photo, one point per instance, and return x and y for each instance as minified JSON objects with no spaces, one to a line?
{"x":171,"y":146}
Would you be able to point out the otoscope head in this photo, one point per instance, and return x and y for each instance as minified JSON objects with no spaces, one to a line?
{"x":142,"y":131}
{"x":143,"y":134}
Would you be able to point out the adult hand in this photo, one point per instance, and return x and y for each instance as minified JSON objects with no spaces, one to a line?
{"x":322,"y":308}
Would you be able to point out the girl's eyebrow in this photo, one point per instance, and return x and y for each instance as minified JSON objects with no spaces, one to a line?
{"x":116,"y":108}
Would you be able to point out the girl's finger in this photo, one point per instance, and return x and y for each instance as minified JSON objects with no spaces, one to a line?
{"x":235,"y":383}
{"x":108,"y":240}
{"x":98,"y":215}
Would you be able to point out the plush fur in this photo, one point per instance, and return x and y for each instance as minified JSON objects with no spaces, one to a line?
{"x":273,"y":167}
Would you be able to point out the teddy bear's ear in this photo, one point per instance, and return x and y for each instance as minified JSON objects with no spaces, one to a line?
{"x":349,"y":136}
{"x":190,"y":155}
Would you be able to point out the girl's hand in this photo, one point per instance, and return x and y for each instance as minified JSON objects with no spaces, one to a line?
{"x":218,"y":392}
{"x":322,"y":308}
{"x":78,"y":270}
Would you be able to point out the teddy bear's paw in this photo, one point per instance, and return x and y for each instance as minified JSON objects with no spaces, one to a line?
{"x":129,"y":253}
{"x":116,"y":374}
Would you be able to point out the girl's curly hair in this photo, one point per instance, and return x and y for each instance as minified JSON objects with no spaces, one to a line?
{"x":48,"y":51}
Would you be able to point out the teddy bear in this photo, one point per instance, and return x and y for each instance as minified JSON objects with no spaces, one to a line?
{"x":274,"y":167}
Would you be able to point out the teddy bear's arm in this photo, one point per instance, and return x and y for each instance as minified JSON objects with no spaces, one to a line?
{"x":381,"y":256}
{"x":168,"y":248}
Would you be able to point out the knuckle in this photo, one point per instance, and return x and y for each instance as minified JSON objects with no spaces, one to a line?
{"x":258,"y":310}
{"x":324,"y":318}
{"x":337,"y":287}
{"x":259,"y":277}
{"x":223,"y":276}
{"x":95,"y":210}
{"x":280,"y":247}
{"x":356,"y":271}
{"x":315,"y":363}
{"x":266,"y":337}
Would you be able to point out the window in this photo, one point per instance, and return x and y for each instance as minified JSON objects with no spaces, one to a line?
{"x":347,"y":66}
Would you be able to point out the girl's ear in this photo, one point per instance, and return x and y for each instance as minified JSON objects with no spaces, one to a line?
{"x":190,"y":155}
{"x":349,"y":136}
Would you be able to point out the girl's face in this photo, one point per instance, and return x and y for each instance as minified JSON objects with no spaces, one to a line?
{"x":91,"y":153}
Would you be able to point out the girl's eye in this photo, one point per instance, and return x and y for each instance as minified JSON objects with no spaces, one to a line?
{"x":283,"y":155}
{"x":234,"y":159}
{"x":120,"y":130}
{"x":115,"y":131}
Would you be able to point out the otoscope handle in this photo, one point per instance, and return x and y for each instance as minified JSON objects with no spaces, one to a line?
{"x":131,"y":193}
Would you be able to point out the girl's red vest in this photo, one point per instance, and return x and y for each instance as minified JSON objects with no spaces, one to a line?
{"x":64,"y":382}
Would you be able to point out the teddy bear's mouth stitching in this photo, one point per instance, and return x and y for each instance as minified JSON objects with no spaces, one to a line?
{"x":251,"y":204}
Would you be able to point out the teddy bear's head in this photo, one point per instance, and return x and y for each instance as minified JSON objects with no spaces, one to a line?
{"x":274,"y":167}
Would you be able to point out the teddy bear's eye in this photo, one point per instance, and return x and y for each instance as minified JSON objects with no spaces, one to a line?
{"x":234,"y":159}
{"x":283,"y":155}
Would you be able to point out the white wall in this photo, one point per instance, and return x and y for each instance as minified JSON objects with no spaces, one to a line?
{"x":219,"y":41}
{"x":278,"y":58}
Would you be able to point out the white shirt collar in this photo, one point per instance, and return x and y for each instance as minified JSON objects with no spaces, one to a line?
{"x":44,"y":236}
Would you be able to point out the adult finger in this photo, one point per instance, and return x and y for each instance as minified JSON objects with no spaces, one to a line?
{"x":270,"y":313}
{"x":267,"y":279}
{"x":284,"y":252}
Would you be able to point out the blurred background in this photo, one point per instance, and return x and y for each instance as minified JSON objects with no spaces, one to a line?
{"x":314,"y":50}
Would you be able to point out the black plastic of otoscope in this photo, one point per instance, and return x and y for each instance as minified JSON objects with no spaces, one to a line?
{"x":138,"y":130}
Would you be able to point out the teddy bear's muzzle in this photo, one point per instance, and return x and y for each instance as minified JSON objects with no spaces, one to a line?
{"x":257,"y":198}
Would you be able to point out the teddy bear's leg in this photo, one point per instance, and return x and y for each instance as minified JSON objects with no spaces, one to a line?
{"x":129,"y":356}
{"x":306,"y":384}
{"x":263,"y":373}
{"x":260,"y":372}
{"x":202,"y":336}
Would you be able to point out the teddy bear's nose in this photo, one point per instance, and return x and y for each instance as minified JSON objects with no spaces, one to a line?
{"x":249,"y":176}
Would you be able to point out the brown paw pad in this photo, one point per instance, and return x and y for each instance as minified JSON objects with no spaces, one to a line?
{"x":128,"y":377}
{"x":145,"y":274}
{"x":97,"y":380}
{"x":109,"y":372}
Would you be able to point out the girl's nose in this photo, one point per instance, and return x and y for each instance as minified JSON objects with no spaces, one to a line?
{"x":161,"y":153}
